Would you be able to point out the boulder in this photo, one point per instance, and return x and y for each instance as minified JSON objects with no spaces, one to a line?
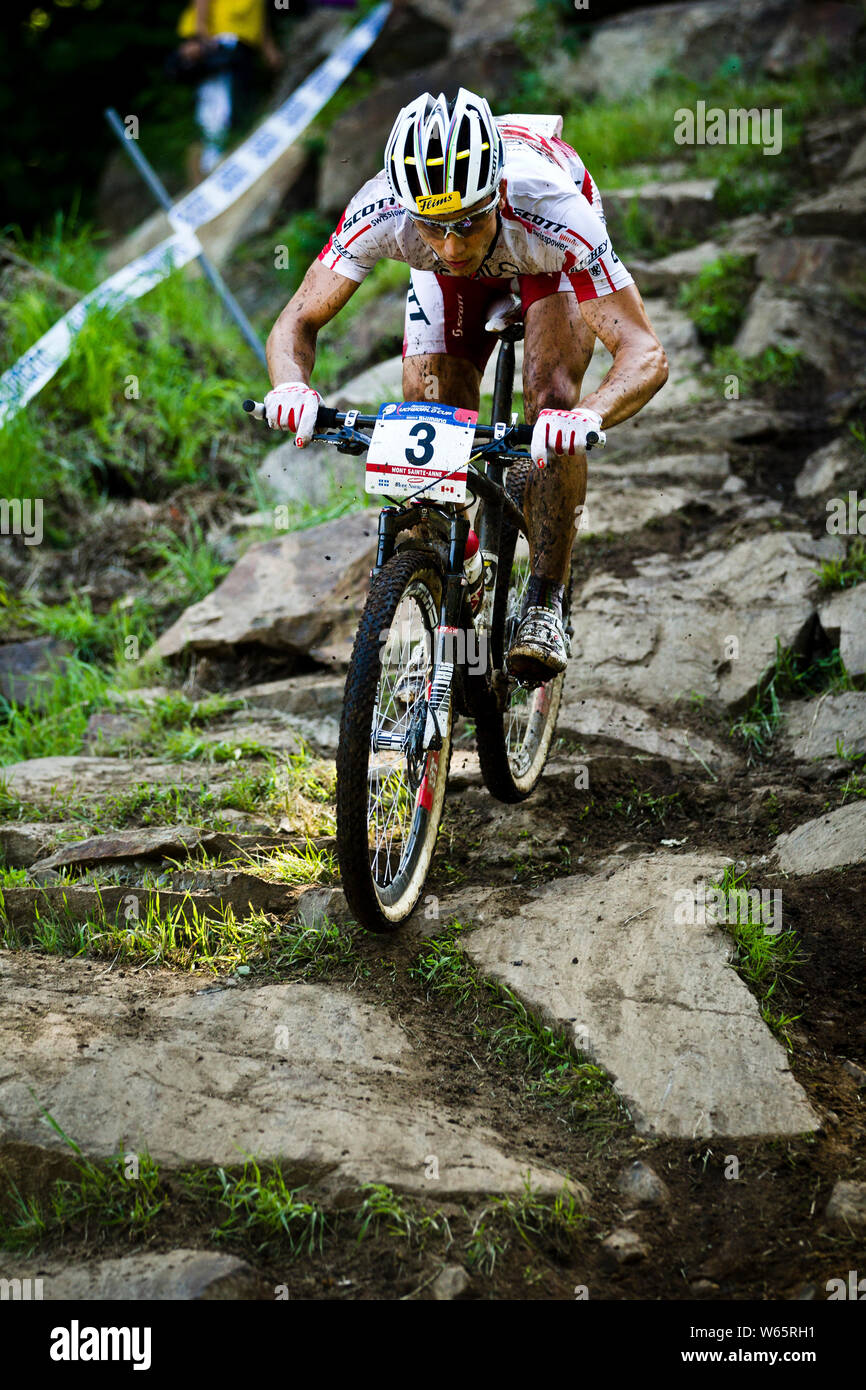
{"x":675,"y":617}
{"x":843,"y":618}
{"x":856,"y":165}
{"x":23,"y":842}
{"x":841,"y":211}
{"x":679,"y":210}
{"x":315,"y":476}
{"x":161,"y":842}
{"x":627,"y":53}
{"x":479,"y":24}
{"x":302,"y":593}
{"x":836,"y":466}
{"x":828,"y":143}
{"x":822,"y":265}
{"x":814,"y":728}
{"x":613,"y":960}
{"x":668,"y":273}
{"x":827,"y":842}
{"x":313,"y":695}
{"x":28,"y":668}
{"x":798,"y":320}
{"x":642,"y":1185}
{"x":846,"y":1209}
{"x":708,"y":470}
{"x":813,"y":31}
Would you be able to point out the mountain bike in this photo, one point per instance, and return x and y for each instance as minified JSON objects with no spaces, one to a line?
{"x":421,"y":656}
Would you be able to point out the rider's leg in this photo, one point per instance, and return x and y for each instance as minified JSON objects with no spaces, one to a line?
{"x":558,"y":348}
{"x":437,"y":376}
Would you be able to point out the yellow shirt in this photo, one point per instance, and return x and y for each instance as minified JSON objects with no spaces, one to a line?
{"x":242,"y":17}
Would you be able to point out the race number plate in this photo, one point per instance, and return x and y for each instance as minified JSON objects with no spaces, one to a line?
{"x":421,"y":447}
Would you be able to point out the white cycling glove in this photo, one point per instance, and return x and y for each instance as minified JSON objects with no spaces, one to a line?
{"x":293,"y":406}
{"x":563,"y":432}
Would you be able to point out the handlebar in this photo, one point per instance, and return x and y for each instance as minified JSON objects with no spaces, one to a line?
{"x":328,"y":418}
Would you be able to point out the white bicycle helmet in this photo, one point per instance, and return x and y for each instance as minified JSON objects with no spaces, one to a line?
{"x":444,"y":155}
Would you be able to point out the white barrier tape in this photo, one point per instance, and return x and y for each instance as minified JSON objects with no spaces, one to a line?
{"x":274,"y":136}
{"x":35,"y":368}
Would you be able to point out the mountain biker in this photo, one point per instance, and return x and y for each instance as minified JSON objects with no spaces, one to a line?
{"x":481,"y":209}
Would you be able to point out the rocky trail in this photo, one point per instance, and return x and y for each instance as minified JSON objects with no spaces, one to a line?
{"x":619,"y":1051}
{"x":578,"y":1027}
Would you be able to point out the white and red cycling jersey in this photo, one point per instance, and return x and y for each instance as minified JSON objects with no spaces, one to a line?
{"x":552,"y":221}
{"x":551,"y":238}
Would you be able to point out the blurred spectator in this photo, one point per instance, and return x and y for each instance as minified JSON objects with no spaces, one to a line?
{"x":220,"y":43}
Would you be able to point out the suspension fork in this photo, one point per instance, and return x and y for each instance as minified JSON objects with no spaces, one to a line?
{"x":446,"y":655}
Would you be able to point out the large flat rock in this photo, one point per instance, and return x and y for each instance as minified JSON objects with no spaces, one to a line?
{"x":666,"y":631}
{"x":653,"y":1001}
{"x":147,"y":1276}
{"x":302,"y":592}
{"x":43,"y":779}
{"x":827,"y":842}
{"x":304,"y":1074}
{"x":586,"y":716}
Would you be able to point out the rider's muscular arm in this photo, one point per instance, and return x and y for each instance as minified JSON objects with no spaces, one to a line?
{"x":639,"y":367}
{"x":291,"y":345}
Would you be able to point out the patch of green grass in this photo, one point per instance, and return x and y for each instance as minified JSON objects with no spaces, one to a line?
{"x":381,"y":1210}
{"x":191,"y":567}
{"x":258,"y":1205}
{"x":530,"y":1217}
{"x":642,"y":807}
{"x":764,"y":957}
{"x":317,"y":950}
{"x":780,"y":368}
{"x":443,"y":968}
{"x":124,"y":1195}
{"x":13,"y":878}
{"x":97,"y":637}
{"x":791,"y":676}
{"x":716,"y":299}
{"x":847,"y":571}
{"x":295,"y":866}
{"x":144,"y":930}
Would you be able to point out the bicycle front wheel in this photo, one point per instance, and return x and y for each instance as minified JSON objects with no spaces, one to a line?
{"x":515,"y":736}
{"x":390,"y":790}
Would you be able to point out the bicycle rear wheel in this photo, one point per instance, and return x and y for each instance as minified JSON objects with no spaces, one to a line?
{"x":390,"y":790}
{"x":519,"y":722}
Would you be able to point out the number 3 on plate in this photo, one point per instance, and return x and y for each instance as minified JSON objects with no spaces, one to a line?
{"x":425,"y":435}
